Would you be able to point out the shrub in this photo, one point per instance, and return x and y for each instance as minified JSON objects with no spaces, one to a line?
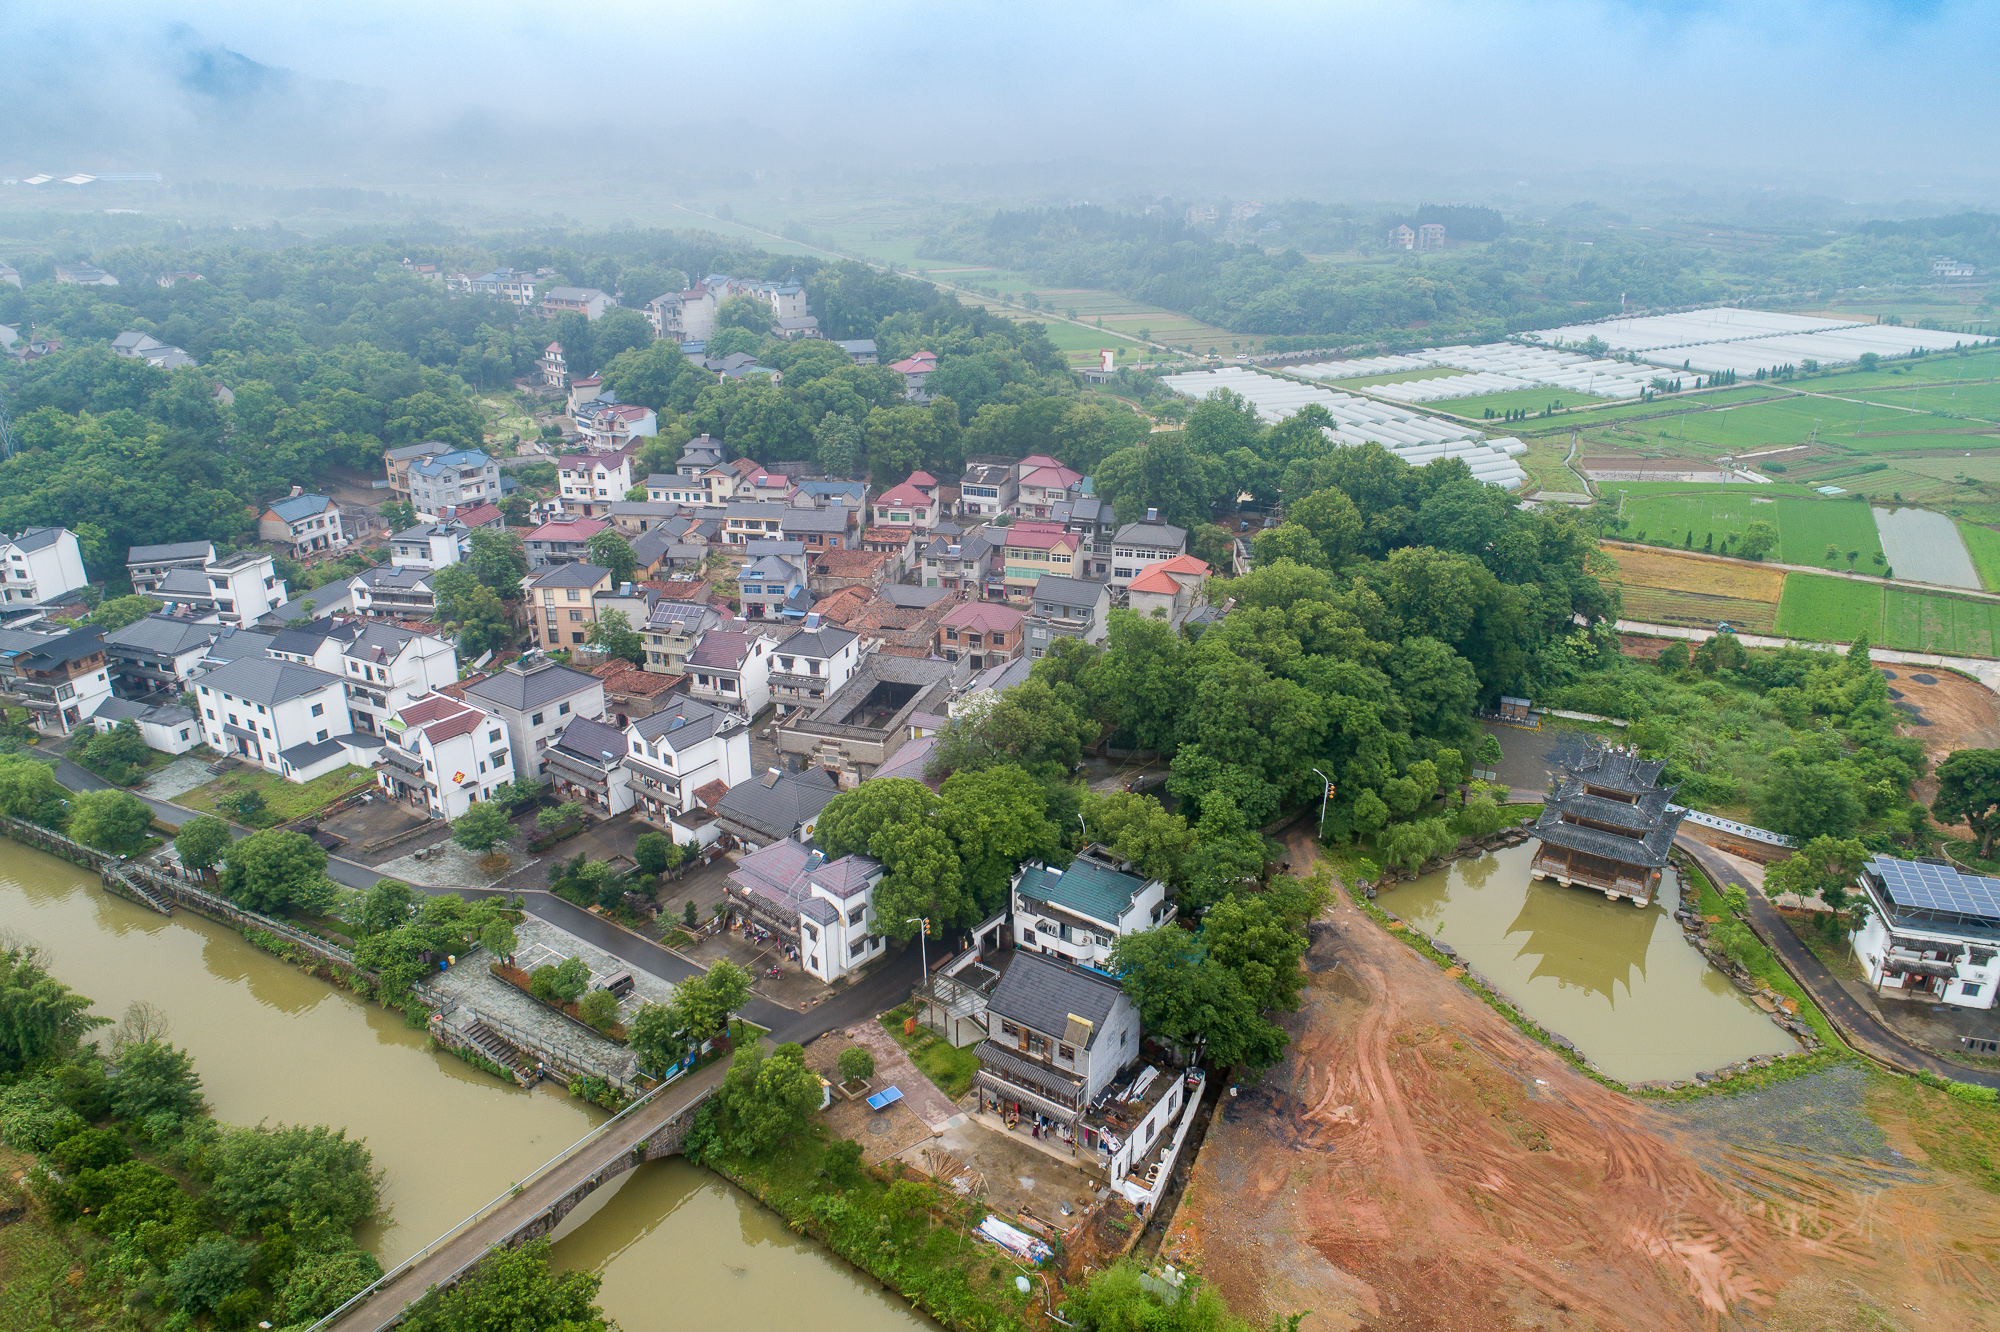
{"x":843,"y":1162}
{"x":209,"y":1272}
{"x":92,"y":1149}
{"x":542,"y":984}
{"x":599,"y":1008}
{"x":570,"y":979}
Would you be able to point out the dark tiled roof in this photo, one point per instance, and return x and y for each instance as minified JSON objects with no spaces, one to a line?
{"x":522,"y":690}
{"x":780,"y":806}
{"x":1043,"y":993}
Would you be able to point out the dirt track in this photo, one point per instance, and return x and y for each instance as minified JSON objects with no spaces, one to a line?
{"x":1416,"y":1163}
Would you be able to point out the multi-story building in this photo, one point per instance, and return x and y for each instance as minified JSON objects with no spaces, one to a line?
{"x":84,"y":275}
{"x":960,"y":566}
{"x":699,"y":455}
{"x":537,"y":699}
{"x":555,"y":367}
{"x":981,"y":633}
{"x":386,"y":670}
{"x":861,"y":351}
{"x":148,"y":566}
{"x":507,"y":284}
{"x":1607,"y":825}
{"x":914,"y":503}
{"x":230,"y":589}
{"x":586,"y":301}
{"x":396,"y":462}
{"x":586,"y":762}
{"x":562,"y":541}
{"x":1170,"y":590}
{"x":1058,"y":1037}
{"x":429,"y":546}
{"x":562,"y":602}
{"x":821,"y":529}
{"x":748,"y":520}
{"x":916,"y":370}
{"x":1078,"y":913}
{"x":606,"y":423}
{"x":62,"y":678}
{"x":591,"y":483}
{"x":1067,"y":608}
{"x":284,"y":717}
{"x":989,"y":487}
{"x":394,"y":592}
{"x":1034,"y":551}
{"x":731,"y":668}
{"x":157,"y":654}
{"x":773,"y":582}
{"x":40,"y":566}
{"x":302,"y":524}
{"x":810,"y":663}
{"x":673,"y":488}
{"x":1933,"y":934}
{"x":1136,"y":545}
{"x":676,"y":754}
{"x":1043,"y":483}
{"x":1094,"y":522}
{"x":671,"y":632}
{"x":824,"y":493}
{"x":774,"y":806}
{"x":824,"y":909}
{"x":463,"y":478}
{"x":444,"y":755}
{"x":861,"y":724}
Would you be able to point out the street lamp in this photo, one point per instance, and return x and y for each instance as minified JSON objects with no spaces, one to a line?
{"x":923,"y":951}
{"x":1326,"y":789}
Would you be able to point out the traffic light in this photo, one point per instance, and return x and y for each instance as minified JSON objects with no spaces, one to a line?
{"x":927,"y":927}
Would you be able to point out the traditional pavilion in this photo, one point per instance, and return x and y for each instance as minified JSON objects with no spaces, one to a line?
{"x":1607,"y":825}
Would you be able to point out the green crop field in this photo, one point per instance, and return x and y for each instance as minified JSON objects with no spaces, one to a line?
{"x":1400,"y":377}
{"x":1983,"y":544}
{"x":1530,"y":400}
{"x":1838,"y":610}
{"x":1806,"y":526}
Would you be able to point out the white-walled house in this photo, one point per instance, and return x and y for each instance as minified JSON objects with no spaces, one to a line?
{"x":40,"y":565}
{"x":677,"y":752}
{"x":286,"y":718}
{"x":444,"y":755}
{"x":429,"y":546}
{"x":302,"y":524}
{"x":810,"y":663}
{"x":537,"y":699}
{"x":731,"y":668}
{"x":592,"y":482}
{"x":167,"y":727}
{"x":1058,"y":1035}
{"x":825,"y":908}
{"x":387,"y":669}
{"x":1078,"y":913}
{"x":1933,"y":932}
{"x":227,"y":589}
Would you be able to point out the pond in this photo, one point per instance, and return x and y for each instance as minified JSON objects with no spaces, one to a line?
{"x":1926,"y":546}
{"x":678,"y":1248}
{"x":1617,"y":980}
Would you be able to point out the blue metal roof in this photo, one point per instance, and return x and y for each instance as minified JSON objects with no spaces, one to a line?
{"x":1922,"y":886}
{"x":1086,"y":888}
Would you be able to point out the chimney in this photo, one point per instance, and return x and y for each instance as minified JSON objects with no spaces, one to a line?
{"x":1152,"y":515}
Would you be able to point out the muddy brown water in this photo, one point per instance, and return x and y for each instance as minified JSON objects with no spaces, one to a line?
{"x":678,"y":1248}
{"x":1617,"y":980}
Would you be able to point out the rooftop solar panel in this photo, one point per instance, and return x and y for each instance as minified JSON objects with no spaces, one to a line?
{"x":1922,"y":887}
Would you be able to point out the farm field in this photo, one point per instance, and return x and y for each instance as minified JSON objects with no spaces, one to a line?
{"x":1837,"y":610}
{"x":1531,"y":400}
{"x":1663,"y":588}
{"x":1397,"y":377}
{"x":1983,"y":544}
{"x":1672,"y":514}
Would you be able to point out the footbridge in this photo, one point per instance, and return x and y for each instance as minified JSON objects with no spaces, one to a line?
{"x":648,"y":1129}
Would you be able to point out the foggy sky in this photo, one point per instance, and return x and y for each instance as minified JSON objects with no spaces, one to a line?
{"x":1853,"y":100}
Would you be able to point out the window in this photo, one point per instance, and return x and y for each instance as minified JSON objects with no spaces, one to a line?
{"x":1037,"y":1044}
{"x":562,"y":709}
{"x":576,"y":637}
{"x":319,"y":710}
{"x":854,"y":916}
{"x":498,"y":758}
{"x":1969,"y":989}
{"x":535,"y":720}
{"x":1066,"y":1052}
{"x":1009,"y":1029}
{"x":572,"y":594}
{"x":492,"y":736}
{"x":320,"y":737}
{"x":576,"y":617}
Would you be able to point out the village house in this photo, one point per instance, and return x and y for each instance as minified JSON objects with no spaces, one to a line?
{"x":749,"y":520}
{"x":961,"y":566}
{"x":673,"y":488}
{"x":1067,"y":608}
{"x":147,"y":566}
{"x":555,"y":369}
{"x":591,"y":483}
{"x":672,"y":630}
{"x":561,"y":601}
{"x":773,"y":806}
{"x":1094,"y":523}
{"x":586,"y":301}
{"x":141,"y":347}
{"x":861,"y":351}
{"x":1034,"y":551}
{"x":833,"y":570}
{"x":1058,"y":1037}
{"x":62,"y":679}
{"x":428,"y":546}
{"x":1078,"y":913}
{"x":537,"y":698}
{"x":462,"y":478}
{"x":562,"y":541}
{"x":822,"y":493}
{"x":302,"y":523}
{"x":820,"y":529}
{"x":393,"y":591}
{"x":605,"y":423}
{"x":281,"y":716}
{"x":981,"y":634}
{"x":514,"y":286}
{"x":386,"y":668}
{"x":1043,"y":483}
{"x":1170,"y":590}
{"x":772,"y":584}
{"x":810,"y":663}
{"x":731,"y":668}
{"x":230,"y":589}
{"x":675,"y":756}
{"x":586,"y":764}
{"x":1932,"y":933}
{"x":157,"y":654}
{"x":167,"y":727}
{"x":824,"y":909}
{"x":900,"y":544}
{"x":1136,"y":545}
{"x":989,"y":487}
{"x":443,"y":755}
{"x":861,"y":724}
{"x":41,"y":566}
{"x":916,"y":371}
{"x":396,"y":464}
{"x":84,"y":275}
{"x":914,"y":503}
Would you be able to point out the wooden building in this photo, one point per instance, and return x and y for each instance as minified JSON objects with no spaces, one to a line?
{"x":1607,"y":825}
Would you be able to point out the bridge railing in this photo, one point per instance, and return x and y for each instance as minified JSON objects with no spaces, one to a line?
{"x":480,"y":1213}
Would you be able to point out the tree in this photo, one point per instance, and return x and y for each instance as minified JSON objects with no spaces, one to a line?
{"x":275,"y":870}
{"x":1032,"y":724}
{"x":766,"y":1099}
{"x":1249,"y":934}
{"x":498,"y":560}
{"x":655,"y":853}
{"x":1969,"y":793}
{"x":40,"y":1017}
{"x":599,"y":1008}
{"x":837,"y":444}
{"x":1227,"y":855}
{"x":121,"y":611}
{"x":1807,"y":799}
{"x":610,"y":550}
{"x":614,"y":634}
{"x":302,"y":1177}
{"x":321,"y":1280}
{"x":513,"y":1290}
{"x":1187,"y":997}
{"x":208,"y":1272}
{"x":559,"y":816}
{"x":500,"y":939}
{"x":114,"y":821}
{"x":895,"y":820}
{"x":571,"y":979}
{"x":1824,"y":867}
{"x":155,"y":1078}
{"x":1488,"y":750}
{"x":384,"y":907}
{"x":29,"y":790}
{"x":482,"y":827}
{"x":1136,"y":828}
{"x":1411,"y":844}
{"x":996,"y":819}
{"x":1480,"y":816}
{"x":201,"y":842}
{"x":475,"y":610}
{"x":855,"y":1064}
{"x":745,"y":312}
{"x":1760,"y":538}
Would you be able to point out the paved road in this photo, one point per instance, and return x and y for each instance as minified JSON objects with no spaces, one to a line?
{"x":1855,"y":1023}
{"x":386,"y":1306}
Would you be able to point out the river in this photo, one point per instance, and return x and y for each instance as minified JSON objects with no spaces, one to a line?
{"x":678,"y":1248}
{"x":1617,"y":980}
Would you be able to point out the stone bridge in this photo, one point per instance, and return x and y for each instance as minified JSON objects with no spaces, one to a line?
{"x":646,"y":1131}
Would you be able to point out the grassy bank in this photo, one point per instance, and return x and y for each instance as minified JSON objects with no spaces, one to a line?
{"x":283,"y":800}
{"x":52,"y":1277}
{"x":1756,"y":957}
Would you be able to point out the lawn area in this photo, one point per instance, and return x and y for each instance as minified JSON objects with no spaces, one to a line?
{"x":1983,"y":544}
{"x":1668,"y":514}
{"x":1528,"y":400}
{"x":283,"y":800}
{"x":1837,"y":610}
{"x":1831,"y":950}
{"x":950,"y":1067}
{"x":1664,"y":588}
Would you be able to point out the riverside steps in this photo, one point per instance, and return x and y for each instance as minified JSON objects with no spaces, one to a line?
{"x":647,"y":1130}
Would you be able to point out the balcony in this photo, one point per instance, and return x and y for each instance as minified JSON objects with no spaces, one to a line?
{"x":403,"y":761}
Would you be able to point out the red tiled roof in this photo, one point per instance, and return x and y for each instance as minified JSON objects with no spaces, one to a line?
{"x":850,"y":563}
{"x":984,"y":617}
{"x":623,"y":678}
{"x":920,"y":479}
{"x":1153,"y":578}
{"x":479,"y":515}
{"x":1039,"y":540}
{"x":907,"y":493}
{"x":463,"y":723}
{"x":885,"y":534}
{"x":709,"y":796}
{"x":1184,"y":564}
